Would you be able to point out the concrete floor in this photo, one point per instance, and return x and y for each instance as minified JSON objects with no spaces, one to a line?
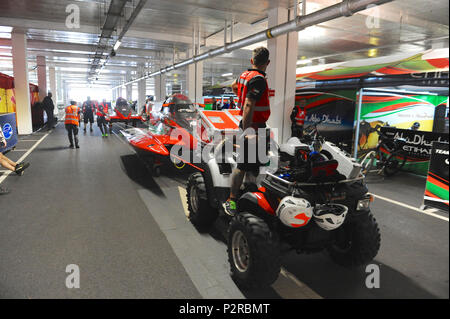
{"x":99,"y":208}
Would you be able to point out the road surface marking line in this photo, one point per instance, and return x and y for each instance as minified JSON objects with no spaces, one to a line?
{"x":24,"y":150}
{"x":24,"y":156}
{"x":183,"y":200}
{"x":426,"y":212}
{"x":304,"y":293}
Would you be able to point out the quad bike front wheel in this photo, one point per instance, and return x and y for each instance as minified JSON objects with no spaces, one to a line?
{"x":253,"y":252}
{"x":357,"y":242}
{"x":201,"y":214}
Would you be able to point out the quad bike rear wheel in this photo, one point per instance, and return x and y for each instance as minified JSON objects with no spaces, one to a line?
{"x":253,"y":252}
{"x":201,"y":214}
{"x":357,"y":242}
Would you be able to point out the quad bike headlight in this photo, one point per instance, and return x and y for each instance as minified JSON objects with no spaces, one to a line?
{"x":364,"y":204}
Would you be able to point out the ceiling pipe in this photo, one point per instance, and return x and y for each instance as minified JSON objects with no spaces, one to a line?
{"x":345,"y":8}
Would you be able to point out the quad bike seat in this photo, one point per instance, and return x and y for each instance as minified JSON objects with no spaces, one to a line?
{"x":325,"y":171}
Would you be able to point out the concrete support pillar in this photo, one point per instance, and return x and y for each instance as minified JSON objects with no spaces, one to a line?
{"x":129,"y":88}
{"x":59,"y":88}
{"x":52,"y":80}
{"x":66,"y":94}
{"x":281,"y":74}
{"x":141,"y":88}
{"x":22,"y":90}
{"x":194,"y":79}
{"x":114,"y":92}
{"x":160,"y":88}
{"x":42,"y":76}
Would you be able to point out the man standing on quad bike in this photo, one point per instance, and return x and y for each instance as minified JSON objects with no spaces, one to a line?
{"x":253,"y":92}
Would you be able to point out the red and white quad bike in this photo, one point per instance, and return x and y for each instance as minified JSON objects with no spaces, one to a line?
{"x":314,"y":201}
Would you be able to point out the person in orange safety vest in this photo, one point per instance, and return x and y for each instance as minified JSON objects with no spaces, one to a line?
{"x":252,"y":91}
{"x":72,"y":121}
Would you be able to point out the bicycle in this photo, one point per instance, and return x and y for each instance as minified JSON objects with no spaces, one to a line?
{"x":388,"y":158}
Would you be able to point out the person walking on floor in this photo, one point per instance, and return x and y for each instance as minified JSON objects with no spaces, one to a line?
{"x":88,"y":113}
{"x":102,"y":113}
{"x":5,"y":162}
{"x":72,"y":122}
{"x":49,"y":109}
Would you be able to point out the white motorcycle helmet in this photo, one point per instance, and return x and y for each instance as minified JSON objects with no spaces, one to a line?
{"x":294,"y":212}
{"x":330,"y":216}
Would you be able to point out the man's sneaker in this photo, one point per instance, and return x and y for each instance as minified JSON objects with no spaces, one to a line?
{"x":106,"y":134}
{"x":229,"y":207}
{"x":103,"y":135}
{"x":4,"y":191}
{"x":21,"y":167}
{"x":71,"y":145}
{"x":77,"y":146}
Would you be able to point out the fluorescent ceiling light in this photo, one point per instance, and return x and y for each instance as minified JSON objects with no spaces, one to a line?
{"x":5,"y":29}
{"x":311,"y":32}
{"x":227,"y":74}
{"x":117,"y":45}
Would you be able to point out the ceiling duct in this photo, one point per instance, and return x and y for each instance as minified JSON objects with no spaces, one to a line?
{"x":112,"y":18}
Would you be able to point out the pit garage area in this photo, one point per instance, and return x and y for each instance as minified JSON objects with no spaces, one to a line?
{"x":119,"y":215}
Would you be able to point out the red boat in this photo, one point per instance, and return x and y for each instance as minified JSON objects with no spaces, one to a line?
{"x":167,"y":122}
{"x":123,"y":113}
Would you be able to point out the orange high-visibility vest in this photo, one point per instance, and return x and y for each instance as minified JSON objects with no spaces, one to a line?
{"x":300,"y":116}
{"x":72,"y":115}
{"x":262,"y":107}
{"x":104,"y":108}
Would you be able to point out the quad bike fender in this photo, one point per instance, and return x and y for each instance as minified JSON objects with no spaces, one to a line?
{"x":255,"y":202}
{"x":210,"y":190}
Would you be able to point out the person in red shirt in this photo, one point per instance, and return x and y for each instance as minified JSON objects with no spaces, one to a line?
{"x":298,"y":117}
{"x":102,"y":113}
{"x":253,"y":92}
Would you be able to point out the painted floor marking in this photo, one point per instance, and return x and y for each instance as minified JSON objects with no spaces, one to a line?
{"x":24,"y":156}
{"x":429,"y":212}
{"x":183,"y":200}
